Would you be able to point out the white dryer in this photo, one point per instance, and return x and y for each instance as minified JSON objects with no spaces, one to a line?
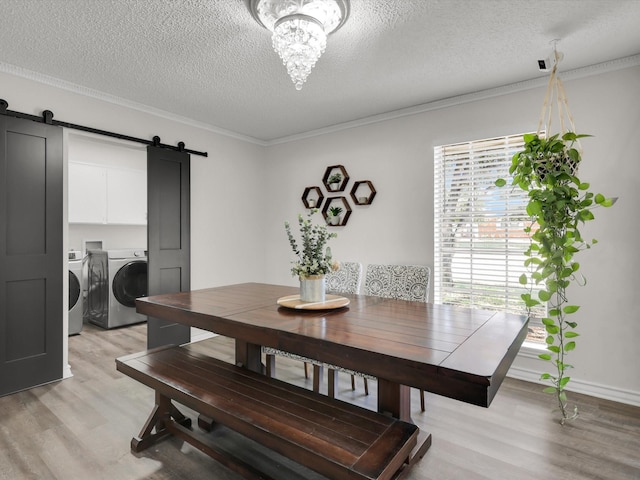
{"x":116,"y":278}
{"x":75,"y":293}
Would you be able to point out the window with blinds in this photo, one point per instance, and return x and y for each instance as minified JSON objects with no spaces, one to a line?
{"x":479,"y":228}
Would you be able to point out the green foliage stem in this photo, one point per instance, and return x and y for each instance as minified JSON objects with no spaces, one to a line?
{"x":313,"y":257}
{"x":559,"y":204}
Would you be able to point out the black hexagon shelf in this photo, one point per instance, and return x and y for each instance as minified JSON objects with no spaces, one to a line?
{"x":362,"y":192}
{"x":346,"y":209}
{"x":330,"y":173}
{"x":315,"y":201}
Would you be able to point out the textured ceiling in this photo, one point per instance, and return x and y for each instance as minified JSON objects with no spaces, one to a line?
{"x":208,"y":60}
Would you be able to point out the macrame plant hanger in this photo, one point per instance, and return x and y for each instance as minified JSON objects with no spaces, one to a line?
{"x":556,"y":96}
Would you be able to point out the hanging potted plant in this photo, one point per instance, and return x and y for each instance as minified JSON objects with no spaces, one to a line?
{"x":559,"y":204}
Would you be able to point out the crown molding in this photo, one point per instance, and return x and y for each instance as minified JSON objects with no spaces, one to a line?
{"x":597,"y":69}
{"x":122,"y":102}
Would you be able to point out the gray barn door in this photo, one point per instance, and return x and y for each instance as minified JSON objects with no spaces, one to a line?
{"x":168,"y":186}
{"x":31,"y":256}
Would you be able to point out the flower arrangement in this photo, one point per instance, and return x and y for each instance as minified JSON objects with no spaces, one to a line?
{"x":313,"y":257}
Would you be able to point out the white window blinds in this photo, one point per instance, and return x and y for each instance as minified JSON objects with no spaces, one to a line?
{"x":479,"y":238}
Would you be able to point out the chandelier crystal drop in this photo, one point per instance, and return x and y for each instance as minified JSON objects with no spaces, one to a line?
{"x":299,"y":40}
{"x":300,"y":29}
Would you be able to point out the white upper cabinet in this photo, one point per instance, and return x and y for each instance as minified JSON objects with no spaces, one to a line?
{"x":126,"y":197}
{"x":107,"y":195}
{"x":107,"y":181}
{"x":87,"y":193}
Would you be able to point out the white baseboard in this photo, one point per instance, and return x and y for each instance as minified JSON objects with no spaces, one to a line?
{"x":580,"y":386}
{"x":66,"y":372}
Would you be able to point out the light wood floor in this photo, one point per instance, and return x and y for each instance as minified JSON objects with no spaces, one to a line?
{"x":80,"y":428}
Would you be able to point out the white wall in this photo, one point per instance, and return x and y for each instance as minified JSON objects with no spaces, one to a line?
{"x":397,"y":156}
{"x":242,"y":193}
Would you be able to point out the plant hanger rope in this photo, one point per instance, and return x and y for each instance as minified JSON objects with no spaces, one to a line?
{"x":556,"y":94}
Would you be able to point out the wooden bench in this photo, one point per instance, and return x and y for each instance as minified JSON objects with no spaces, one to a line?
{"x":334,"y":438}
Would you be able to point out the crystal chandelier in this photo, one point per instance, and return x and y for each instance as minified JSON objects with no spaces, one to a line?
{"x":300,"y":29}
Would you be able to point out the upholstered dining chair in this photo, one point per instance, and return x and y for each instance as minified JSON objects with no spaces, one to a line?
{"x":346,"y":279}
{"x":402,"y":282}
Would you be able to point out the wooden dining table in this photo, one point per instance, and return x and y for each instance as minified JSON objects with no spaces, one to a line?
{"x":452,"y":351}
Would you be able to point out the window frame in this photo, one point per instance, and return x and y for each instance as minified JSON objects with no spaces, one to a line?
{"x":470,"y":168}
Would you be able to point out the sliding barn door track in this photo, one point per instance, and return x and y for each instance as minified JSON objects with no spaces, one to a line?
{"x":47,"y":117}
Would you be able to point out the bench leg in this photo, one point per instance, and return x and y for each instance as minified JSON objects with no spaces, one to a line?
{"x":423,"y":444}
{"x":167,"y":420}
{"x":205,"y":445}
{"x":162,"y":412}
{"x":205,"y":423}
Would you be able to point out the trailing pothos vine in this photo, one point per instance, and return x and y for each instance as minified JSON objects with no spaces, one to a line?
{"x":559,"y":203}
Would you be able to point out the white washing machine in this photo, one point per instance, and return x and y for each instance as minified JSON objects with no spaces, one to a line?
{"x":116,"y":278}
{"x":75,"y":293}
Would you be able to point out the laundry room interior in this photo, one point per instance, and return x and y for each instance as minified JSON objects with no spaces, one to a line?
{"x":107,"y":231}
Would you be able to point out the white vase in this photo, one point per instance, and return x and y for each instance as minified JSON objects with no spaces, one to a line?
{"x":312,"y":288}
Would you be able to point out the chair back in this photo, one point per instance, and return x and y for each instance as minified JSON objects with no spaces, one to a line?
{"x":346,"y":279}
{"x":402,"y":282}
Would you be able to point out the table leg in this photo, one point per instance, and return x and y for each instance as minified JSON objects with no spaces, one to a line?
{"x":394,"y":399}
{"x":249,"y":355}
